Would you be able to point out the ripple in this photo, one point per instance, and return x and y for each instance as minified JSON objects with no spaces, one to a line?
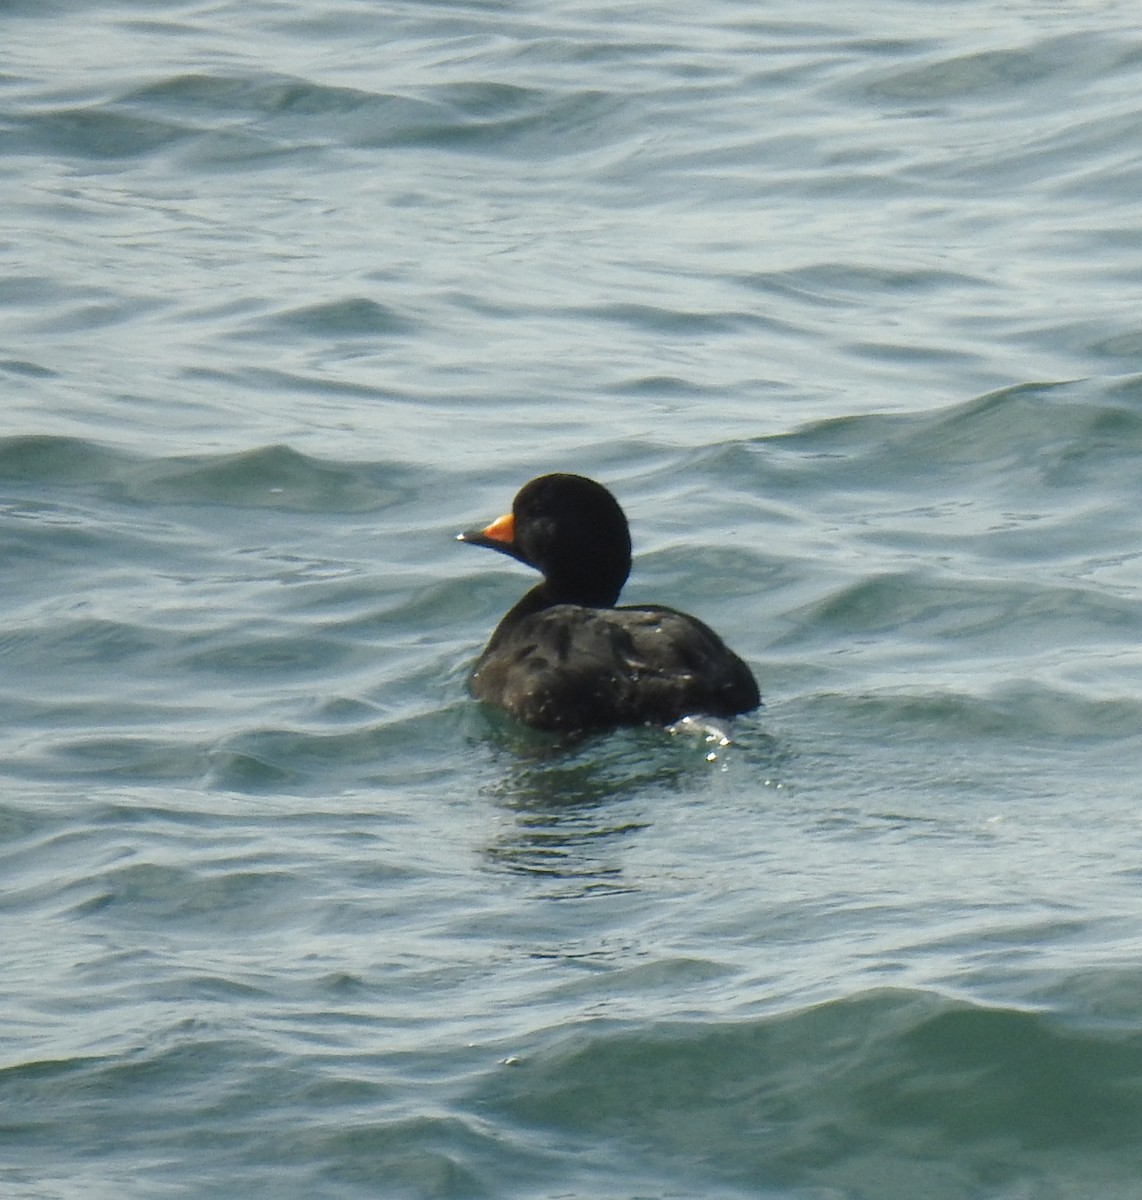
{"x":354,"y":317}
{"x":1017,"y":712}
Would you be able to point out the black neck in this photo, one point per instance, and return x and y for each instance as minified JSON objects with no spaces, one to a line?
{"x":531,"y":602}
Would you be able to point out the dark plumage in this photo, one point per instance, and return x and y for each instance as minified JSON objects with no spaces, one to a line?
{"x":565,"y":658}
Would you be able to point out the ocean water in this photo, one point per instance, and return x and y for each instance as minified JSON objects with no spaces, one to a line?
{"x":844,"y":304}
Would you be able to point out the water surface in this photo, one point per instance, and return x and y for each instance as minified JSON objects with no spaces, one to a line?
{"x":843,"y":306}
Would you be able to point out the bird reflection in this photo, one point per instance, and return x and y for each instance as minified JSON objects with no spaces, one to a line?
{"x":573,"y":808}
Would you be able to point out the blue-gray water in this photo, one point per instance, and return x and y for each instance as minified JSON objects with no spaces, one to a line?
{"x":845,"y":303}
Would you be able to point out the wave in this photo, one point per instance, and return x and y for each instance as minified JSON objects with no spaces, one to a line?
{"x":885,"y":1094}
{"x":869,"y":1093}
{"x":1017,"y":711}
{"x":275,"y":476}
{"x":1053,"y":433}
{"x":220,"y":119}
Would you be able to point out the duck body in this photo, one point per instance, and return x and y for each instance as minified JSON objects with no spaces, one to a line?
{"x":565,"y":658}
{"x":573,"y":668}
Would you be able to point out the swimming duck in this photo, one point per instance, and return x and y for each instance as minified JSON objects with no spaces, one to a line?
{"x":564,"y":658}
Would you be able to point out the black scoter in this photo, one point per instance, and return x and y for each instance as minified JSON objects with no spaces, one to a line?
{"x":565,"y":658}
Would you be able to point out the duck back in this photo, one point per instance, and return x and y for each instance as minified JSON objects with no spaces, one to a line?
{"x":572,"y":668}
